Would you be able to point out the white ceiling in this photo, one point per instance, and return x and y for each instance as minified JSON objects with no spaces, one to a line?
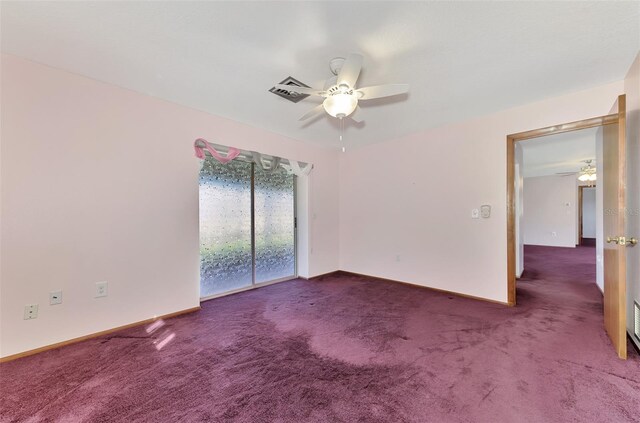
{"x":563,"y":152}
{"x":461,"y":59}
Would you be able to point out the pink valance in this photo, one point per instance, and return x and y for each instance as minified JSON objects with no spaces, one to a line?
{"x":201,"y":144}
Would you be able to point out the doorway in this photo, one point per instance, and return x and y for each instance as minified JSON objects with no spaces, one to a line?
{"x":247,"y":226}
{"x":511,"y":184}
{"x":614,"y":257}
{"x":587,"y":216}
{"x":554,"y":171}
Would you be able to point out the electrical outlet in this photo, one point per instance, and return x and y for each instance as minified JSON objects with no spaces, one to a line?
{"x":101,"y":289}
{"x":554,"y":234}
{"x":397,"y":257}
{"x":30,"y":311}
{"x":55,"y":297}
{"x":475,"y":213}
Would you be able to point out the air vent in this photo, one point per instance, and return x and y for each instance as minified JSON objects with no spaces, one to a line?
{"x":291,"y":96}
{"x":636,"y":318}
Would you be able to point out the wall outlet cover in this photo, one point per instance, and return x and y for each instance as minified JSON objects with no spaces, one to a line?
{"x":475,"y":213}
{"x":30,"y":311}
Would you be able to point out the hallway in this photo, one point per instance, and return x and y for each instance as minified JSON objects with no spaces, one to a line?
{"x":558,"y":280}
{"x":561,"y":271}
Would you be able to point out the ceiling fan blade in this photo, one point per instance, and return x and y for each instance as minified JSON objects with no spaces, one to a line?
{"x":331,"y":82}
{"x":379,"y":91}
{"x":350,"y":70}
{"x":301,"y":90}
{"x":353,"y":116}
{"x":313,"y":112}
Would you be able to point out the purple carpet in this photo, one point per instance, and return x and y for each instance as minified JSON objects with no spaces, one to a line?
{"x":349,"y":349}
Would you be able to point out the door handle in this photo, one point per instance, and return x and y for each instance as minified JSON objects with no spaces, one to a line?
{"x":621,"y":240}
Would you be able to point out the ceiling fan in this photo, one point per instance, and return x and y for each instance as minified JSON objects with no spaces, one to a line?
{"x":587,"y":173}
{"x":340,"y":94}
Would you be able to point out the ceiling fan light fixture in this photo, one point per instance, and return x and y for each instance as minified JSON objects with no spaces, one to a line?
{"x":587,"y":173}
{"x":340,"y":105}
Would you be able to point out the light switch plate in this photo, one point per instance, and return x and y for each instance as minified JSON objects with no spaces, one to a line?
{"x":55,"y":297}
{"x":485,"y":211}
{"x":101,"y":289}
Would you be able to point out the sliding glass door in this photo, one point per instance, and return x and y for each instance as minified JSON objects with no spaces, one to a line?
{"x":274,"y":225}
{"x":225,"y":227}
{"x":247,"y":226}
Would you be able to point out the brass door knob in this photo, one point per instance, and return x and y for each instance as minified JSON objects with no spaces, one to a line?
{"x":621,"y":240}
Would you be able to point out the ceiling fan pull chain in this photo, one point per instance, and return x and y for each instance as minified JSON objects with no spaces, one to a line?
{"x":344,"y":149}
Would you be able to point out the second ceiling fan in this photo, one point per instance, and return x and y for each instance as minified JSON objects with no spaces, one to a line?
{"x":340,"y":93}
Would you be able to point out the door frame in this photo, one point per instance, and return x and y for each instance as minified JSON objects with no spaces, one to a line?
{"x":511,"y":197}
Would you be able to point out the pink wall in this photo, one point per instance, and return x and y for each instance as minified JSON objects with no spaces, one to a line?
{"x":100,"y":183}
{"x":418,"y":205}
{"x":550,"y":206}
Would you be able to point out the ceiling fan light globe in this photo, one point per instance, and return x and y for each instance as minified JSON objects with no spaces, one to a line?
{"x":583,"y":178}
{"x":340,"y":104}
{"x":593,"y":177}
